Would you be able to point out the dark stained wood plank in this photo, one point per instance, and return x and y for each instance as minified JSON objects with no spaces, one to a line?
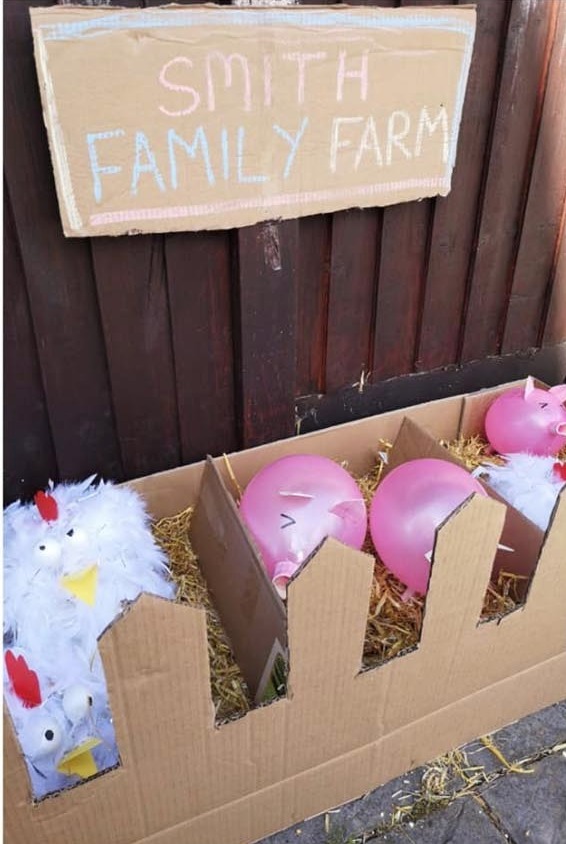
{"x":516,"y":125}
{"x":355,"y":242}
{"x":29,"y":458}
{"x":130,"y":280}
{"x":547,"y":191}
{"x":199,"y":281}
{"x":265,"y":330}
{"x":315,"y":235}
{"x":312,"y":307}
{"x":455,"y":216}
{"x":132,"y":294}
{"x":199,"y":285}
{"x":402,"y":277}
{"x":59,"y":276}
{"x":555,"y":325}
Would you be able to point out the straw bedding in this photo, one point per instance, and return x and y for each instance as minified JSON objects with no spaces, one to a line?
{"x":393,"y":625}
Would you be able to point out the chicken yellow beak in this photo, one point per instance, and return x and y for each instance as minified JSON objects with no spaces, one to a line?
{"x":80,"y":760}
{"x":82,"y":585}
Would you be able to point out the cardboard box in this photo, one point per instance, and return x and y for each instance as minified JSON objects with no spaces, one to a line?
{"x":339,"y":732}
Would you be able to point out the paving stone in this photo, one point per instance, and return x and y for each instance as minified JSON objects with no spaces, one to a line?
{"x":523,"y":739}
{"x":463,"y":822}
{"x":366,"y":813}
{"x":531,"y":808}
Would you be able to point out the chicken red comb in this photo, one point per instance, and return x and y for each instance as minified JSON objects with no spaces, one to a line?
{"x":47,"y":506}
{"x":560,"y":470}
{"x":24,"y":681}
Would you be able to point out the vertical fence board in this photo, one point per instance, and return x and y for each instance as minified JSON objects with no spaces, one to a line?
{"x":402,"y":279}
{"x":198,"y":272}
{"x":402,"y":275}
{"x":455,"y":216}
{"x":511,"y":154}
{"x":29,"y":458}
{"x":132,"y":292}
{"x":312,"y":302}
{"x":354,"y":259}
{"x":59,"y":276}
{"x":355,"y":239}
{"x":199,"y":284}
{"x":555,"y":327}
{"x":544,"y":208}
{"x":266,"y":330}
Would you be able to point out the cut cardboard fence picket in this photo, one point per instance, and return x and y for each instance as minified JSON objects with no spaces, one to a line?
{"x":339,"y":732}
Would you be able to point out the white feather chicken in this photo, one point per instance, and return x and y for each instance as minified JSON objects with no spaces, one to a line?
{"x":72,"y":560}
{"x":529,"y":483}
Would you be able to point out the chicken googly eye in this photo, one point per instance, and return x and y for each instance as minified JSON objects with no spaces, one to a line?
{"x":77,"y":703}
{"x":76,"y":537}
{"x":46,"y":738}
{"x":47,"y":551}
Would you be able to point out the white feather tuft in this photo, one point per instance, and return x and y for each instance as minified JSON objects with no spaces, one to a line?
{"x":528,"y":482}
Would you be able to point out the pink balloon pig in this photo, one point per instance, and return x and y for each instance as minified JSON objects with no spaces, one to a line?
{"x":291,"y":505}
{"x":410,"y":503}
{"x":528,"y":419}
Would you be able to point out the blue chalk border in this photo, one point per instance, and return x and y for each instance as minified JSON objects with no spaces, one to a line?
{"x":171,"y":19}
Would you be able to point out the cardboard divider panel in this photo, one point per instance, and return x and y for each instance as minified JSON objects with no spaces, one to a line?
{"x":250,"y":609}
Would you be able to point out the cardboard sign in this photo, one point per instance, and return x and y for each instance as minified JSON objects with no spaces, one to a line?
{"x":187,"y":118}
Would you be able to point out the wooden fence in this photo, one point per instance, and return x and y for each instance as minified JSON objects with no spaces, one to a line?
{"x":126,"y":356}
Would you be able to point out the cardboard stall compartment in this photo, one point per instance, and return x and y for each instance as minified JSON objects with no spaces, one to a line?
{"x":339,"y":732}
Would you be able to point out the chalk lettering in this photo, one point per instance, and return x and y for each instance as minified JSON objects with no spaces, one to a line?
{"x":200,"y":140}
{"x":335,"y":142}
{"x":242,"y":178}
{"x":361,"y":74}
{"x":293,"y":143}
{"x":302,"y":59}
{"x":425,"y":121}
{"x":150,"y":166}
{"x":369,"y":143}
{"x":394,"y":137}
{"x":267,"y":80}
{"x":96,"y":169}
{"x":225,"y":154}
{"x":227,"y":62}
{"x":173,"y":86}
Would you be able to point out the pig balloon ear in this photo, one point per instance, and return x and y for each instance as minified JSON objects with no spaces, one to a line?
{"x":559,"y":392}
{"x":299,"y":499}
{"x":529,"y":389}
{"x":351,"y":510}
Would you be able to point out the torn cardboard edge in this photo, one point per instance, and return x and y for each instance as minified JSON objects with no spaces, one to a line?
{"x":183,"y":780}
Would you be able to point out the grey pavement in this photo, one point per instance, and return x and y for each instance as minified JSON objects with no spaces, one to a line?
{"x":527,"y":807}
